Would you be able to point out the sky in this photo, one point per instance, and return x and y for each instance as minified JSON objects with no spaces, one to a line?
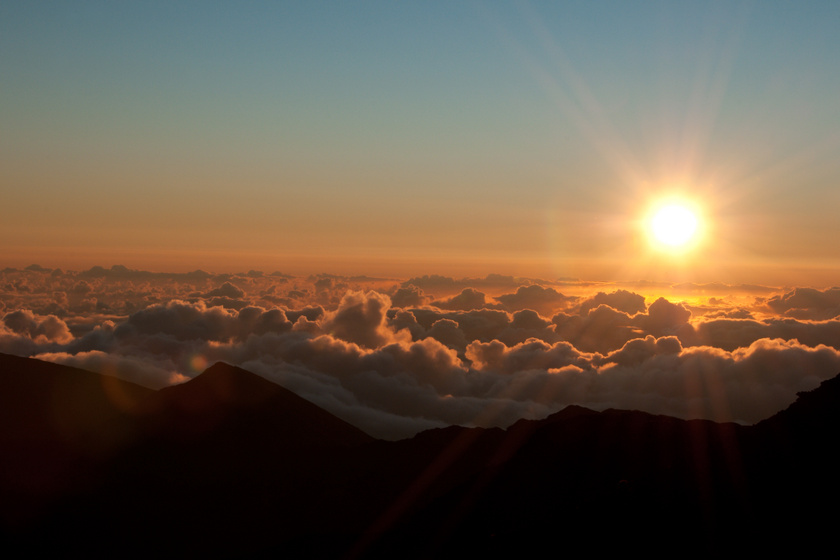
{"x":401,"y":139}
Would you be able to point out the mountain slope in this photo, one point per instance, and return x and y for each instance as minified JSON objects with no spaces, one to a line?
{"x":55,"y":421}
{"x":226,"y":398}
{"x":46,"y":401}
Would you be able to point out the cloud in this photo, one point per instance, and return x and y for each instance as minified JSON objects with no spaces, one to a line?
{"x":467,"y":300}
{"x":447,"y":331}
{"x":730,"y":334}
{"x":228,"y":303}
{"x":664,"y":317}
{"x":37,"y":328}
{"x":226,"y":290}
{"x":722,"y":288}
{"x":396,"y":370}
{"x":619,"y":317}
{"x":533,"y":354}
{"x":361,"y":318}
{"x":658,"y":376}
{"x":745,"y":385}
{"x":479,"y":324}
{"x":807,"y":303}
{"x":602,"y":329}
{"x":82,"y":287}
{"x":323,"y":283}
{"x":639,"y":350}
{"x":401,"y":319}
{"x":184,"y":321}
{"x":120,"y":272}
{"x":737,"y":313}
{"x":181,"y":320}
{"x":543,"y":300}
{"x":527,"y":324}
{"x":621,"y":300}
{"x":437,"y":284}
{"x":145,"y":371}
{"x":409,"y":296}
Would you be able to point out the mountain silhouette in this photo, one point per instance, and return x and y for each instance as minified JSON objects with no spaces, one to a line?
{"x":55,"y":421}
{"x":226,"y":399}
{"x":230,"y":464}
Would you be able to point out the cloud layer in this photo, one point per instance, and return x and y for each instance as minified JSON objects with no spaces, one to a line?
{"x":398,"y":357}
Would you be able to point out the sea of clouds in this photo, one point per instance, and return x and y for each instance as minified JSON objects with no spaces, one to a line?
{"x":396,"y":357}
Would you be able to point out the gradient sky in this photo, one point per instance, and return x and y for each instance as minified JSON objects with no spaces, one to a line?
{"x":524,"y":138}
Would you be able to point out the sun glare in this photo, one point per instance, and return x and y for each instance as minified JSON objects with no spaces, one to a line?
{"x":674,"y":226}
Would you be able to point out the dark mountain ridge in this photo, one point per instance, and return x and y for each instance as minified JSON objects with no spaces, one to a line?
{"x":230,"y":464}
{"x":226,"y":398}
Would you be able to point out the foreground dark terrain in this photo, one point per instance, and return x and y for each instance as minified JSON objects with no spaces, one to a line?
{"x":229,"y":464}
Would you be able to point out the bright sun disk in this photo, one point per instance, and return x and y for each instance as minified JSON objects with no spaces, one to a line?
{"x":674,"y":225}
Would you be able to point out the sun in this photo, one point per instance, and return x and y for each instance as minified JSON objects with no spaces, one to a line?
{"x":674,"y":226}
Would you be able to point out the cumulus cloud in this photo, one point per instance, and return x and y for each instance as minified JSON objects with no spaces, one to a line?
{"x":449,"y":333}
{"x":602,"y":329}
{"x":730,"y":334}
{"x":664,"y":317}
{"x":745,"y":385}
{"x":807,"y":303}
{"x":479,"y":324}
{"x":533,"y":354}
{"x":409,"y":296}
{"x":543,"y":300}
{"x":361,"y":318}
{"x":639,"y":350}
{"x":621,"y":300}
{"x":197,"y":321}
{"x":226,"y":290}
{"x":82,"y":287}
{"x":468,"y":299}
{"x":37,"y":328}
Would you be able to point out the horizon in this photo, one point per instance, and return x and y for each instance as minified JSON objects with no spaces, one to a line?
{"x":801,"y":275}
